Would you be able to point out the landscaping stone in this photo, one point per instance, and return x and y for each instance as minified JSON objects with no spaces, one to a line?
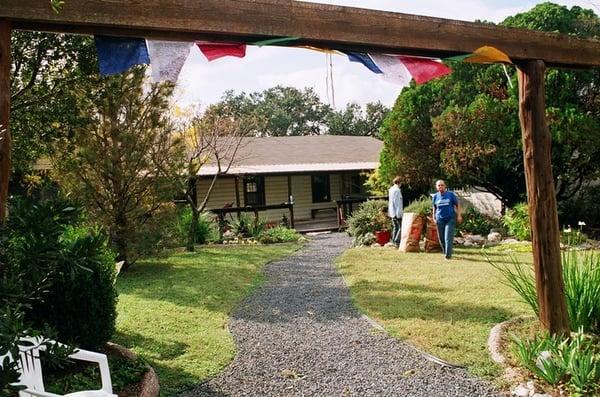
{"x":494,"y":237}
{"x":299,"y":335}
{"x":521,"y":391}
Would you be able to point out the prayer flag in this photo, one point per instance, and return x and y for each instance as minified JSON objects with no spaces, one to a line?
{"x":167,"y":59}
{"x":424,"y":69}
{"x":278,"y":40}
{"x":393,"y":70}
{"x":487,"y":54}
{"x":365,"y":59}
{"x":216,"y":50}
{"x":323,"y":50}
{"x":118,"y":54}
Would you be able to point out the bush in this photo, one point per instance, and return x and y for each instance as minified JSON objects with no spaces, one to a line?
{"x":571,"y":237}
{"x":584,"y":207}
{"x":366,"y":219}
{"x":422,"y":206}
{"x":206,"y":231}
{"x":475,"y":222}
{"x":573,"y":361}
{"x":581,"y":275}
{"x":279,"y":234}
{"x":516,"y":221}
{"x":59,"y":271}
{"x":246,"y":226}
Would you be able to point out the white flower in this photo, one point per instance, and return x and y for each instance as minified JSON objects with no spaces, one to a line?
{"x":581,"y":223}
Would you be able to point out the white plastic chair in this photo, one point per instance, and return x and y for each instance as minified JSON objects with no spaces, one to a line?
{"x":31,"y":371}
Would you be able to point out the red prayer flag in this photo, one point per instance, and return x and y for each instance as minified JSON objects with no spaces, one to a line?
{"x":215,"y":50}
{"x":424,"y":69}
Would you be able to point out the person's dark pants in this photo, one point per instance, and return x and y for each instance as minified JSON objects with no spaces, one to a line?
{"x":396,"y":231}
{"x":445,"y":228}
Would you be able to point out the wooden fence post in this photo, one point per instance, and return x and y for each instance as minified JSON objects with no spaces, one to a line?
{"x":543,"y":215}
{"x":5,"y":141}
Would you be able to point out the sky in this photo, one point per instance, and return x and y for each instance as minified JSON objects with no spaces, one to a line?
{"x":202,"y":83}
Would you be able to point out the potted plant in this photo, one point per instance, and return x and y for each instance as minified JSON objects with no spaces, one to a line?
{"x":382,"y":227}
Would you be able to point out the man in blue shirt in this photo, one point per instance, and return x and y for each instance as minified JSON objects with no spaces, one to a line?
{"x":446,"y":212}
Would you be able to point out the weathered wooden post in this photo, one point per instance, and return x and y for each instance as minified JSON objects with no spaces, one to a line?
{"x":545,"y":238}
{"x":5,"y":142}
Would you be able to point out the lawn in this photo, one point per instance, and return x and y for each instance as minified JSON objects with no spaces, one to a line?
{"x":174,"y":311}
{"x":444,"y":308}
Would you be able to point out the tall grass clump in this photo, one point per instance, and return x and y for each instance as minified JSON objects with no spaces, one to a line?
{"x":516,"y":221}
{"x":581,"y":276}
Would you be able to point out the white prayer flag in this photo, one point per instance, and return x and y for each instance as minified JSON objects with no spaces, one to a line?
{"x":167,"y":58}
{"x":393,"y":69}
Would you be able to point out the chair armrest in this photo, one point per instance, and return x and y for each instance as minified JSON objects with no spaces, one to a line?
{"x":40,"y":393}
{"x":101,"y":360}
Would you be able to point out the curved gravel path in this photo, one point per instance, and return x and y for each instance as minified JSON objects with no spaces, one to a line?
{"x":299,"y":335}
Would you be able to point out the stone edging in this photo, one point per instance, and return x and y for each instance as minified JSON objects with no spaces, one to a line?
{"x":149,"y":385}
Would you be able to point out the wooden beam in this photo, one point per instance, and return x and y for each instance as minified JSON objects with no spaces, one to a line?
{"x":537,"y":143}
{"x":5,"y":140}
{"x":315,"y":24}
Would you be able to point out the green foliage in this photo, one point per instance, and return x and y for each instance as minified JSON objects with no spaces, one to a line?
{"x":422,"y":206}
{"x":474,"y":222}
{"x":367,"y":219}
{"x":516,"y":221}
{"x":581,"y":276}
{"x":206,"y":230}
{"x":465,"y":126}
{"x":119,"y":162}
{"x":248,"y":226}
{"x":572,"y":237}
{"x":279,"y":234}
{"x":574,"y":361}
{"x":585,"y":207}
{"x":77,"y":377}
{"x":353,"y":121}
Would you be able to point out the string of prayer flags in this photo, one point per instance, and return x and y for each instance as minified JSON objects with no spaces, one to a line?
{"x":364,"y":59}
{"x":118,"y":54}
{"x":167,"y":59}
{"x":318,"y":49}
{"x":215,"y":50}
{"x":424,"y":69}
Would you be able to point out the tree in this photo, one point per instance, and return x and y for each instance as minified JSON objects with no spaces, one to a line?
{"x":354,"y":121}
{"x":213,"y":137}
{"x":465,"y":126}
{"x":119,"y":161}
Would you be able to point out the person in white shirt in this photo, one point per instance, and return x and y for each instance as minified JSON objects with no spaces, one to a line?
{"x":395,"y":209}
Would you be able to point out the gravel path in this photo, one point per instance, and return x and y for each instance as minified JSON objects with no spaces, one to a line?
{"x":299,"y":335}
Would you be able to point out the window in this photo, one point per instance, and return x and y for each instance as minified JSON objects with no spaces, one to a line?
{"x":357,"y":184}
{"x":320,"y":188}
{"x":254,"y":190}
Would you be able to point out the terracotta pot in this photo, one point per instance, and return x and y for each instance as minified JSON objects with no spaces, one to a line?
{"x":382,"y":236}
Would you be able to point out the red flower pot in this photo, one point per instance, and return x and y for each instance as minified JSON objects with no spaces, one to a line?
{"x":383,"y":236}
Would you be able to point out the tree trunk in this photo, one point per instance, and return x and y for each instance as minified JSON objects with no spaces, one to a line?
{"x":193,"y":230}
{"x":120,"y":242}
{"x":5,"y":140}
{"x":543,"y":215}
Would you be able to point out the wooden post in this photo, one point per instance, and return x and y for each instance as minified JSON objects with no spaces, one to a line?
{"x":237,"y":194}
{"x":5,"y":141}
{"x":543,"y":214}
{"x":289,"y":185}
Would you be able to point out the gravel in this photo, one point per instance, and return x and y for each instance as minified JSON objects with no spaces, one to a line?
{"x":299,"y":335}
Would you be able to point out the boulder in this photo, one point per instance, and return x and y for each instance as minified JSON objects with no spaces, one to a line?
{"x":494,"y":237}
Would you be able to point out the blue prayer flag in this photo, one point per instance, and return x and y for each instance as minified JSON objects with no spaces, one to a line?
{"x":365,"y":59}
{"x":118,"y":54}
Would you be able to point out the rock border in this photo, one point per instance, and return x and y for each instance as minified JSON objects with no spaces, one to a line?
{"x":149,"y":385}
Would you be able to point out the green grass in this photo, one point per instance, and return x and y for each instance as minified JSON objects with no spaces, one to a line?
{"x":444,"y":308}
{"x":174,"y":311}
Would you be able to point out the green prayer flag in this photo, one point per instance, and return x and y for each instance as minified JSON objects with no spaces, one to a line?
{"x":458,"y":57}
{"x":278,"y":40}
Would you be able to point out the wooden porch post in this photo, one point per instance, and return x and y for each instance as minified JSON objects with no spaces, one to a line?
{"x":5,"y":141}
{"x":537,"y":143}
{"x":237,"y":193}
{"x":289,"y":183}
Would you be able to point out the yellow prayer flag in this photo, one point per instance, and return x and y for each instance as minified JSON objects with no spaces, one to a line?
{"x":323,"y":50}
{"x":487,"y":54}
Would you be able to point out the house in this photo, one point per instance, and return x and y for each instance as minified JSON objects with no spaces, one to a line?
{"x":312,"y":172}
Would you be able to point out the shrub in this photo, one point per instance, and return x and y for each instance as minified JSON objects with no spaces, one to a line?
{"x":422,"y":206}
{"x":279,"y":234}
{"x":59,"y":271}
{"x":206,"y":231}
{"x":571,"y":237}
{"x":365,"y":219}
{"x":581,"y":275}
{"x":516,"y":221}
{"x":246,"y":226}
{"x":475,"y":222}
{"x":573,"y":361}
{"x":584,"y":207}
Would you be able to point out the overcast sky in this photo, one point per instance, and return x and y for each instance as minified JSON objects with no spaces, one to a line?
{"x":202,"y":82}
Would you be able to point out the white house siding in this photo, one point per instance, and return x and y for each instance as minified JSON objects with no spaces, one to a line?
{"x":276,"y":192}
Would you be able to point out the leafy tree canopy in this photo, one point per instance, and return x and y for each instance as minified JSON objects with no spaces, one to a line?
{"x":465,"y":127}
